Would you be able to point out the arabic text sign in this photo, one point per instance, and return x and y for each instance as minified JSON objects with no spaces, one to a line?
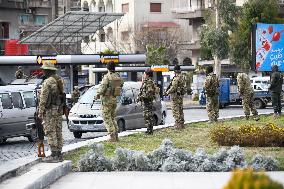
{"x":160,"y":68}
{"x":43,"y":59}
{"x":269,"y":44}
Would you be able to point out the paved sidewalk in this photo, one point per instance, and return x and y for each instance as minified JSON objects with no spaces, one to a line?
{"x":149,"y":180}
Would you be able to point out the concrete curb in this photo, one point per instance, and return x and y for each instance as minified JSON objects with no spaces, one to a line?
{"x":39,"y":177}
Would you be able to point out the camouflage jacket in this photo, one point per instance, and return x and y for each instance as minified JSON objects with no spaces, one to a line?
{"x":178,"y":85}
{"x":105,"y":87}
{"x":148,"y":90}
{"x":51,"y":95}
{"x":244,"y":84}
{"x":276,"y":81}
{"x":75,"y":96}
{"x":211,"y":85}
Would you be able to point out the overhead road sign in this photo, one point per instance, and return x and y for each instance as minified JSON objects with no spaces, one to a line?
{"x":109,"y":58}
{"x":160,"y":68}
{"x":140,"y":69}
{"x":72,"y":59}
{"x":45,"y":59}
{"x":71,"y":27}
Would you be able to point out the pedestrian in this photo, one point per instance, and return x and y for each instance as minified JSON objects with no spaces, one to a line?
{"x":50,"y":111}
{"x":246,"y":92}
{"x":146,"y":96}
{"x":276,"y":81}
{"x":211,"y":87}
{"x":19,"y":73}
{"x":108,"y":92}
{"x":177,"y":89}
{"x":75,"y":95}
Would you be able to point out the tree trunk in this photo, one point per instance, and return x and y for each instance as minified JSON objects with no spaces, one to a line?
{"x":217,"y":66}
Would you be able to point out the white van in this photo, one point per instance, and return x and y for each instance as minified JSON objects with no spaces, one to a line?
{"x":17,"y":108}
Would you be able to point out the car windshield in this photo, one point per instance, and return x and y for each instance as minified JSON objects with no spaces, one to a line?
{"x":88,"y":96}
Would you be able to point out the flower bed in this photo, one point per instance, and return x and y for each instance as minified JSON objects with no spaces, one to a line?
{"x":249,"y":179}
{"x":172,"y":159}
{"x":269,"y":135}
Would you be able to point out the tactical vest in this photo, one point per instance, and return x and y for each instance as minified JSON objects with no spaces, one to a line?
{"x":181,"y":90}
{"x":114,"y":85}
{"x":56,"y":97}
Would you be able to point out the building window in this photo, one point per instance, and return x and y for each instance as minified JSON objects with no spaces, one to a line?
{"x":102,"y":37}
{"x":40,"y":20}
{"x":125,"y":36}
{"x":125,"y":8}
{"x":155,"y":7}
{"x":24,"y":19}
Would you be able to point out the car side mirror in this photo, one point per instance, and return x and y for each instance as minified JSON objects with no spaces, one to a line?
{"x":126,"y":101}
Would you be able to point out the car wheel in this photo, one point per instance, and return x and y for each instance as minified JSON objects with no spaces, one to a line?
{"x":258,"y":103}
{"x":121,"y":125}
{"x":3,"y":140}
{"x":77,"y":134}
{"x":163,"y":119}
{"x":33,"y":136}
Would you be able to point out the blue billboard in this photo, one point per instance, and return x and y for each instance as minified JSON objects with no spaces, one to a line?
{"x":269,"y":46}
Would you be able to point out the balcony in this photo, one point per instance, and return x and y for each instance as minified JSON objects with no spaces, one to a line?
{"x":15,"y":4}
{"x":188,"y":9}
{"x":39,"y":3}
{"x":281,"y":2}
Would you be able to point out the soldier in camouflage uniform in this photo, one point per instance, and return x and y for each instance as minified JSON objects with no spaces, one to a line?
{"x":177,"y":89}
{"x":276,"y":81}
{"x":211,"y":87}
{"x":146,"y":96}
{"x":75,"y":95}
{"x":19,"y":73}
{"x":109,"y":90}
{"x":247,"y":93}
{"x":50,"y":111}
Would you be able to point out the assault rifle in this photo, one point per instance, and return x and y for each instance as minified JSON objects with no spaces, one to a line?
{"x":170,"y":85}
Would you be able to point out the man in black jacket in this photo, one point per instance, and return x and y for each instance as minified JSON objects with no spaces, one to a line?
{"x":276,"y":81}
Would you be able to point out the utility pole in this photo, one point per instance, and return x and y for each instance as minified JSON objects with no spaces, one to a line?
{"x":217,"y":62}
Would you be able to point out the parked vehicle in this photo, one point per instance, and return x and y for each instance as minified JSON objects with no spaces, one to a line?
{"x":85,"y":116}
{"x":17,"y":108}
{"x":229,"y":95}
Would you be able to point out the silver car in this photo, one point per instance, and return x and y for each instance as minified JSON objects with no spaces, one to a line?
{"x":17,"y":108}
{"x":85,"y":116}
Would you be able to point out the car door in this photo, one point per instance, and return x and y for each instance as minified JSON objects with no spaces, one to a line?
{"x":30,"y":105}
{"x":9,"y":123}
{"x":1,"y":116}
{"x":139,"y":109}
{"x":19,"y":115}
{"x":128,"y":112}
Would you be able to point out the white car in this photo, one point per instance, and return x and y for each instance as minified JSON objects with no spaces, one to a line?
{"x":85,"y":116}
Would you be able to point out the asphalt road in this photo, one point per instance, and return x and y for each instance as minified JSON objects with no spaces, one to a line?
{"x":19,"y":147}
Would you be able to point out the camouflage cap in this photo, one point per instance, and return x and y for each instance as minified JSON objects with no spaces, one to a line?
{"x":47,"y":65}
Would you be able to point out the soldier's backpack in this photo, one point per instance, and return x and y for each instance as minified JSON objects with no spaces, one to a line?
{"x":115,"y":85}
{"x":212,"y":86}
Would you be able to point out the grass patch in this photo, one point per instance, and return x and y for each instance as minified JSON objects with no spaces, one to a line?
{"x":195,"y":135}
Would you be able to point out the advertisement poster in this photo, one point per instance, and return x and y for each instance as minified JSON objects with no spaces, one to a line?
{"x":269,"y":46}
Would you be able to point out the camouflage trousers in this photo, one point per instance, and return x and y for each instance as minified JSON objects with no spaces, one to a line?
{"x":148,"y":114}
{"x":248,"y":105}
{"x":52,"y":124}
{"x":109,"y":113}
{"x":212,"y":107}
{"x":177,"y":108}
{"x":276,"y":102}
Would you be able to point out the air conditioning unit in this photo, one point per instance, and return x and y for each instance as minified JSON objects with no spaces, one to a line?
{"x":29,"y":11}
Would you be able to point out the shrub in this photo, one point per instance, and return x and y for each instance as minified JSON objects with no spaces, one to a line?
{"x":170,"y":159}
{"x":248,"y":179}
{"x":248,"y":135}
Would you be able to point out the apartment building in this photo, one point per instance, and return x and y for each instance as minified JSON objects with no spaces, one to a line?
{"x":141,"y":19}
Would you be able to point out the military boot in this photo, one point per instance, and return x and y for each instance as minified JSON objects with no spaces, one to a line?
{"x":149,"y":131}
{"x":60,"y":156}
{"x":256,"y":118}
{"x":247,"y":117}
{"x":112,"y":137}
{"x":116,"y":136}
{"x":53,"y":158}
